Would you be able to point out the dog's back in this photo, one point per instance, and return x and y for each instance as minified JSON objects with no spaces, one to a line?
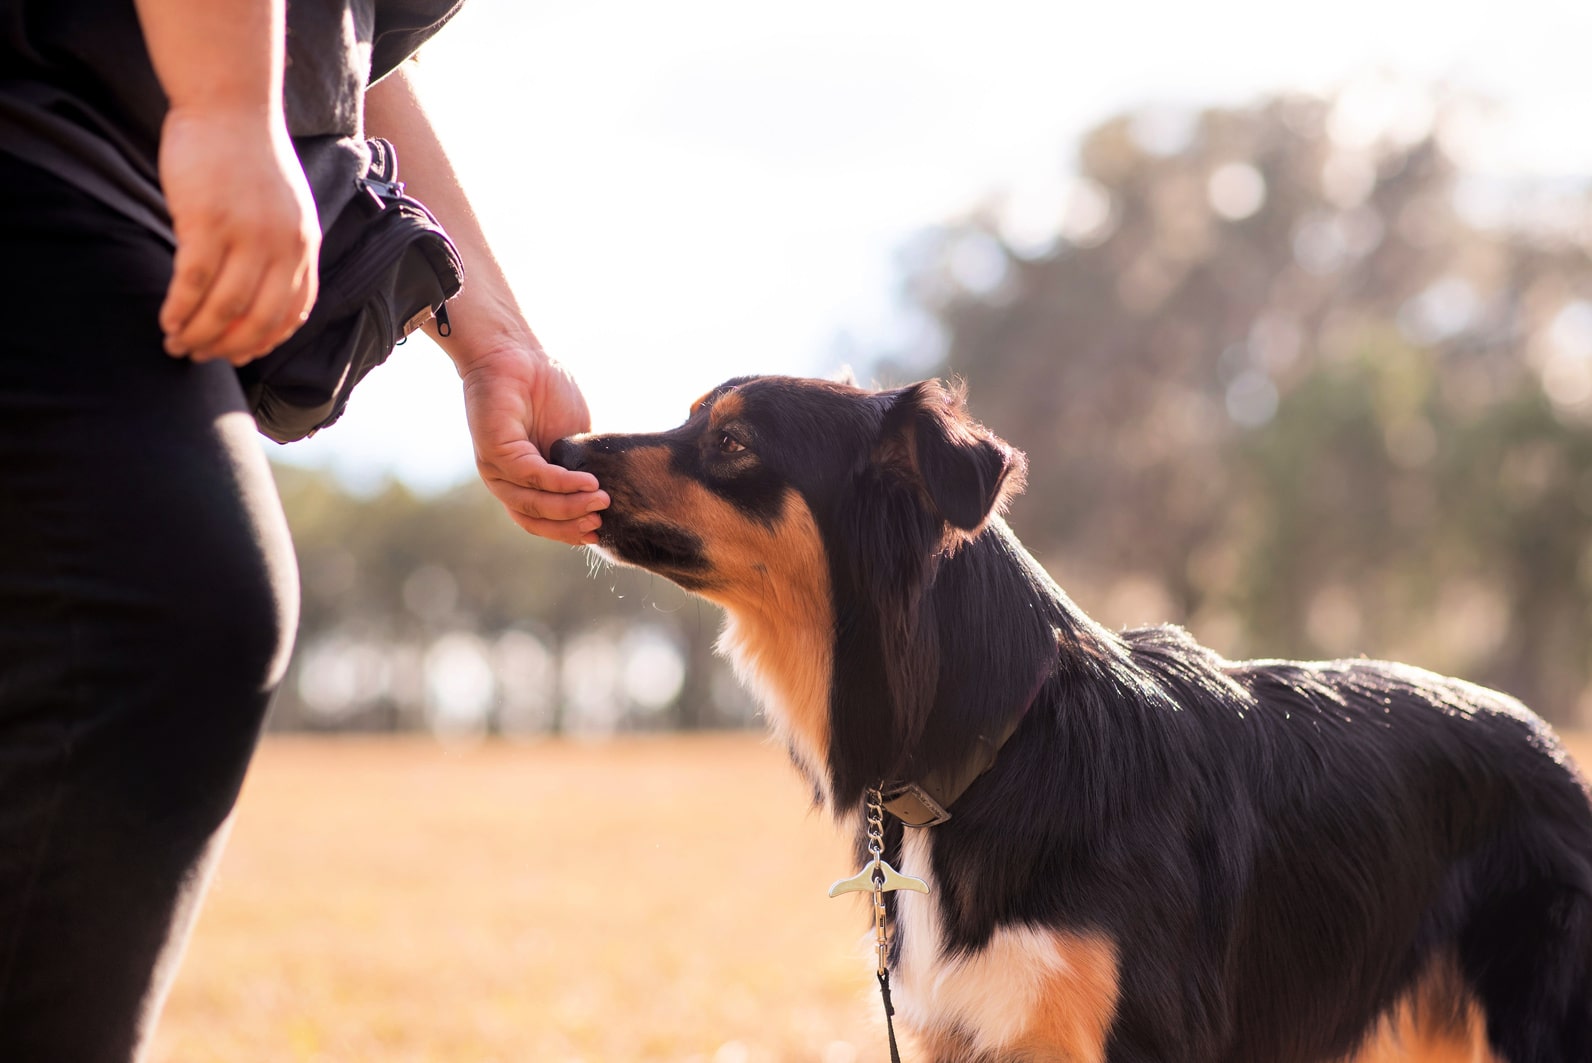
{"x":1260,"y":861}
{"x":1409,"y":837}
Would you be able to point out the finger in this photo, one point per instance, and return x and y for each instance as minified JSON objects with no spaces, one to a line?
{"x":240,"y":349}
{"x":523,"y":464}
{"x":193,"y":269}
{"x":280,"y":333}
{"x":547,"y":504}
{"x":572,"y":532}
{"x":277,"y":311}
{"x":304,"y":288}
{"x":230,"y":298}
{"x":286,"y":327}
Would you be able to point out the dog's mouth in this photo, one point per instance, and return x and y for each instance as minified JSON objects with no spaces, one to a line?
{"x":661,"y":548}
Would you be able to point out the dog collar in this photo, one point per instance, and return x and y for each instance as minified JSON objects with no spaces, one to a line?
{"x":926,"y":802}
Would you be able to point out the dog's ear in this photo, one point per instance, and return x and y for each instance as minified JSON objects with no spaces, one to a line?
{"x":930,"y":481}
{"x":963,"y":471}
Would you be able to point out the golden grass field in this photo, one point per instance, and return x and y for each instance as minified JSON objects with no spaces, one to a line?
{"x":395,"y":900}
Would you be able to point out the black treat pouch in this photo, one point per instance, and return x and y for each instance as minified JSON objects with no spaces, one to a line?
{"x":386,"y":268}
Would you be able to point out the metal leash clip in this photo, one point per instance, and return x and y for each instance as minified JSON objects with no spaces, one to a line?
{"x":879,"y":878}
{"x":877,"y":875}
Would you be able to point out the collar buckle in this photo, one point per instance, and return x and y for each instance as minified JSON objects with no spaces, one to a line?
{"x":913,"y":805}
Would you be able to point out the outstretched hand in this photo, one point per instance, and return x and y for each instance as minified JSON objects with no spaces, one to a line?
{"x":518,"y":404}
{"x":517,"y":400}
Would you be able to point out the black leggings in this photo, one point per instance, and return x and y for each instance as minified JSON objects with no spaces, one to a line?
{"x":148,"y":597}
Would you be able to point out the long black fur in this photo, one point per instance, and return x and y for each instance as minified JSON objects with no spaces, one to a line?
{"x":1279,"y":850}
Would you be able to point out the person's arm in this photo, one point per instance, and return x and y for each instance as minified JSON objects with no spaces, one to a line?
{"x":517,"y":399}
{"x":244,"y":276}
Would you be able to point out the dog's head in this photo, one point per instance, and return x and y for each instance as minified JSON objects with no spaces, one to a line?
{"x":817,"y":514}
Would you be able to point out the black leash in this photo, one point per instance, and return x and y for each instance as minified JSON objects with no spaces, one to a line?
{"x":889,"y":1014}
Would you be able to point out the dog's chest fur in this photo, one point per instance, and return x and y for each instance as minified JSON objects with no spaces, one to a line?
{"x":1026,"y":985}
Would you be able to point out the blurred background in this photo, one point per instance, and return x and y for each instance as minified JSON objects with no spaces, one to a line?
{"x":1291,"y":309}
{"x":1294,"y":321}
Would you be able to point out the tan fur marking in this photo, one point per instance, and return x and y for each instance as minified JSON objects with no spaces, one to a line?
{"x":780,"y":634}
{"x":1030,"y":993}
{"x":707,"y":397}
{"x":774,"y":583}
{"x":944,"y":1046}
{"x":729,"y":406}
{"x":647,"y":478}
{"x":1437,"y":1021}
{"x":1076,"y":1004}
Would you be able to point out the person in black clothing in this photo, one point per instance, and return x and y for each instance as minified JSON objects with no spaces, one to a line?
{"x":158,"y":228}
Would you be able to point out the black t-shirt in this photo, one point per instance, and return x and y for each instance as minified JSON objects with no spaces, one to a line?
{"x":79,"y":96}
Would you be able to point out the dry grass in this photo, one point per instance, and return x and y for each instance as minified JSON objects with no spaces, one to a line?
{"x":394,"y":900}
{"x":646,"y":900}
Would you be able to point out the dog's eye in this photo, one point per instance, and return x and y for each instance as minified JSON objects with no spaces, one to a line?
{"x":728,"y":444}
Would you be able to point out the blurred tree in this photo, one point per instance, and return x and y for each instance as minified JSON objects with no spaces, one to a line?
{"x":390,"y":578}
{"x":1287,"y":373}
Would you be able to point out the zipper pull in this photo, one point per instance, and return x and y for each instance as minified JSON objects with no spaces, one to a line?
{"x":444,"y":326}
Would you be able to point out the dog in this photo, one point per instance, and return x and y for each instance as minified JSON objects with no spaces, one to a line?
{"x":1136,"y":849}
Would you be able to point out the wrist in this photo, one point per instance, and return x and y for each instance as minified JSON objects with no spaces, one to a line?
{"x":470,"y":344}
{"x":520,"y":354}
{"x":256,"y":120}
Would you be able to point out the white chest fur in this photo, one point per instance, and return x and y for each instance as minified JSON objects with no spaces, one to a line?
{"x":1028,"y":985}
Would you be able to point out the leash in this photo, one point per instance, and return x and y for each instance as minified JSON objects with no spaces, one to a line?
{"x":889,"y":1013}
{"x":879,"y":878}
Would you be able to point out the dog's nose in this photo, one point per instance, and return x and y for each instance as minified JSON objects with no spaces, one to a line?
{"x":569,"y":453}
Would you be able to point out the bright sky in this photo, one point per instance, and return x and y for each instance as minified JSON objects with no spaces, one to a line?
{"x":683,"y":192}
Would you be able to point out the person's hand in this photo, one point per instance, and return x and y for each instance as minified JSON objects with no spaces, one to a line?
{"x":518,"y":403}
{"x":244,"y":277}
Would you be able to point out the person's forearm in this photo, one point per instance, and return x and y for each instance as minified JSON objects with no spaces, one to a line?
{"x":518,"y":402}
{"x":220,"y":54}
{"x":485,"y":316}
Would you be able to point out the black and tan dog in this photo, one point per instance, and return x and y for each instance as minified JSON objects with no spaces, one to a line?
{"x":1170,"y":856}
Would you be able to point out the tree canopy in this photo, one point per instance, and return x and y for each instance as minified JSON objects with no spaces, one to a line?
{"x":1308,"y":388}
